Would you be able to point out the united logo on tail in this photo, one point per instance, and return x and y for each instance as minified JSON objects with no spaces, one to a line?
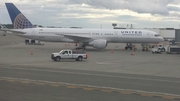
{"x":19,"y":21}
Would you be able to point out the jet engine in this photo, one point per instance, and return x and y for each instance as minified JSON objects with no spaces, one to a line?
{"x":99,"y":43}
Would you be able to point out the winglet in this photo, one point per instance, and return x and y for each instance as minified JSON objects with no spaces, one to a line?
{"x":19,"y":21}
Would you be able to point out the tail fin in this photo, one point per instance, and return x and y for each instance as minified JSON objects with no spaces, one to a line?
{"x":19,"y":21}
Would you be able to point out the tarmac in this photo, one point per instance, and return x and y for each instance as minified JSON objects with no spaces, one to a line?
{"x":112,"y":59}
{"x":109,"y":69}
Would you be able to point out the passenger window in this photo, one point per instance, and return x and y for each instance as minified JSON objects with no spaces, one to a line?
{"x":69,"y":52}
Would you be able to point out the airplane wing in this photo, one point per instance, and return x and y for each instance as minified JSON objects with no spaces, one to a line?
{"x":77,"y":38}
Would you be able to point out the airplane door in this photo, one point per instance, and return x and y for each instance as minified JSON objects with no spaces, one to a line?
{"x":33,"y":32}
{"x":148,"y":35}
{"x":116,"y":36}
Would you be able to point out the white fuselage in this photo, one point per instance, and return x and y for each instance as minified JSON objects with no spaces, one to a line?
{"x":111,"y":35}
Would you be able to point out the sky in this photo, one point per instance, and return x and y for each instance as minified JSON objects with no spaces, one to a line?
{"x":97,"y":13}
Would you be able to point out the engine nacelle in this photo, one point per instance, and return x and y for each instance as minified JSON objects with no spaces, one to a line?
{"x":99,"y":43}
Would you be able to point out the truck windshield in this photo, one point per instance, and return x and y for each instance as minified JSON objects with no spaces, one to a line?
{"x":61,"y":51}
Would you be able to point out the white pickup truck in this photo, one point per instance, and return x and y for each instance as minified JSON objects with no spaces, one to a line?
{"x":156,"y":50}
{"x":69,"y":54}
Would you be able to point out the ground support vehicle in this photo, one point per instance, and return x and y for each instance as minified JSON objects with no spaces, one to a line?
{"x":157,"y":50}
{"x":33,"y":42}
{"x":173,"y":49}
{"x":78,"y":55}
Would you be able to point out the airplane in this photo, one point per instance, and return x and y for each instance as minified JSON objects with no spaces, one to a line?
{"x":97,"y":38}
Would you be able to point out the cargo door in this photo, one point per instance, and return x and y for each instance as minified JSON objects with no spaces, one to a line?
{"x":148,"y":35}
{"x":33,"y":32}
{"x":117,"y":36}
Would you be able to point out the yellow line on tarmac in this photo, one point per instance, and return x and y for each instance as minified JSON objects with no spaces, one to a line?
{"x":10,"y":80}
{"x":38,"y":83}
{"x":71,"y":86}
{"x":55,"y":85}
{"x":168,"y":97}
{"x":88,"y":88}
{"x":124,"y":92}
{"x":146,"y":95}
{"x":106,"y":90}
{"x":25,"y":82}
{"x":157,"y":95}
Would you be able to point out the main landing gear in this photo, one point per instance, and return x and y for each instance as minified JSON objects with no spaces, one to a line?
{"x":128,"y":46}
{"x":82,"y":46}
{"x":145,"y":47}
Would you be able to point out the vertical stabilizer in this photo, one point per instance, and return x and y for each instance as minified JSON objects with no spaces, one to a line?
{"x":19,"y":21}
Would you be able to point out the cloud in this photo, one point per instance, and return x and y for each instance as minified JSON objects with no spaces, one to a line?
{"x":93,"y":13}
{"x":139,"y":6}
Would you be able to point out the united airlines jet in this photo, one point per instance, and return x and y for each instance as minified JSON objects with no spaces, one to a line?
{"x":97,"y":38}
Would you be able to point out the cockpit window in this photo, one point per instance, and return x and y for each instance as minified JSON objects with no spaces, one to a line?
{"x":156,"y":35}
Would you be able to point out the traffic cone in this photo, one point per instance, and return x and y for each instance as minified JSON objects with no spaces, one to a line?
{"x":112,"y":51}
{"x":31,"y":52}
{"x":132,"y":54}
{"x":76,"y":44}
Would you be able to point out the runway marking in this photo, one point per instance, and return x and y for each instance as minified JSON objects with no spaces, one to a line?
{"x":147,"y":95}
{"x":39,"y":83}
{"x":96,"y":88}
{"x":55,"y":85}
{"x":89,"y":74}
{"x":71,"y":86}
{"x":10,"y":80}
{"x":168,"y":97}
{"x":25,"y":82}
{"x":125,"y":92}
{"x":107,"y":90}
{"x":87,"y":88}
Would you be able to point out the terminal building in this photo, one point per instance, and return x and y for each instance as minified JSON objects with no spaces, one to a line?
{"x":166,"y":33}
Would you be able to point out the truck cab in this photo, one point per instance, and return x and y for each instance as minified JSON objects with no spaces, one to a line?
{"x":66,"y":54}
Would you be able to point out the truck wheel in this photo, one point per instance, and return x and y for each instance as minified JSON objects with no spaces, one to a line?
{"x":58,"y":58}
{"x":126,"y":48}
{"x":80,"y":58}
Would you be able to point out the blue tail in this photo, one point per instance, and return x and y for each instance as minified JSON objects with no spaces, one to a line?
{"x":19,"y":21}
